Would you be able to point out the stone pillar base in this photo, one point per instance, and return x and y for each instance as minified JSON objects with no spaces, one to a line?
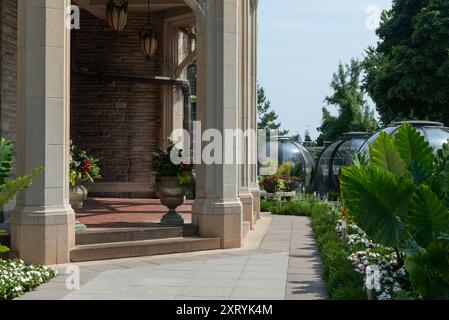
{"x":255,"y":191}
{"x":43,"y":235}
{"x":247,"y":202}
{"x":219,"y":220}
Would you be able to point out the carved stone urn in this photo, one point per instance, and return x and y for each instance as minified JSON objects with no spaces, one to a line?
{"x":172,"y":194}
{"x":78,"y":195}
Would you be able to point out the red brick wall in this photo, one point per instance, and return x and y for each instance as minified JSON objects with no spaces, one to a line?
{"x":8,"y":79}
{"x":120,"y":122}
{"x":8,"y":68}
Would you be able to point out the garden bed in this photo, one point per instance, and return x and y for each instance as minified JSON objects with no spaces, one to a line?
{"x":16,"y":278}
{"x":295,"y":206}
{"x":342,"y":281}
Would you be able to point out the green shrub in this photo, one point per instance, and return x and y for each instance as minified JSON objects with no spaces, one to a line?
{"x":295,"y":207}
{"x":342,"y":281}
{"x":400,"y":199}
{"x":285,"y":169}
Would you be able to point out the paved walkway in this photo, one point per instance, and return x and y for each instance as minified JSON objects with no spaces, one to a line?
{"x":279,"y":261}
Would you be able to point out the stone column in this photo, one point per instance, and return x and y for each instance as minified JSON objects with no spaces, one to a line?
{"x":42,"y":226}
{"x":244,"y":83}
{"x":217,"y":210}
{"x":252,"y":93}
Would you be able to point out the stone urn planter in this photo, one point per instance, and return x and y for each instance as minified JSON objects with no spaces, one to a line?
{"x":78,"y":195}
{"x":172,"y":194}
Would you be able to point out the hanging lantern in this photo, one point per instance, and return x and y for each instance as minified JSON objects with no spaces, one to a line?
{"x":117,"y":15}
{"x":149,"y":39}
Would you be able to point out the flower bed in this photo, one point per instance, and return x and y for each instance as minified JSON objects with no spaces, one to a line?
{"x":394,"y":283}
{"x":342,"y":281}
{"x":16,"y":278}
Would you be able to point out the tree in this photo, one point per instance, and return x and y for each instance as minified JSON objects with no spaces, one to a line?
{"x":354,"y":113}
{"x":266,"y":116}
{"x":407,"y":74}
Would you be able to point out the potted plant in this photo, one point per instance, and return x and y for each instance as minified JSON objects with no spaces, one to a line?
{"x":83,"y":169}
{"x":173,"y":177}
{"x":270,"y":184}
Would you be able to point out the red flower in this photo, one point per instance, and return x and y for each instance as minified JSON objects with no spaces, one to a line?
{"x":86,"y":166}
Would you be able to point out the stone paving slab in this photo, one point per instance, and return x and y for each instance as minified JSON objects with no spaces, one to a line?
{"x":278,"y":261}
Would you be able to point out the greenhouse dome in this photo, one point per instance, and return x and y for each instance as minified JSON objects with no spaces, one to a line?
{"x":336,"y":157}
{"x":434,"y":132}
{"x":290,"y":151}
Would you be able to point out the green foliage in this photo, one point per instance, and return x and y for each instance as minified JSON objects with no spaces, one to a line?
{"x":266,"y":117}
{"x":83,"y":167}
{"x":294,"y":207}
{"x":285,"y":169}
{"x":360,"y":159}
{"x":169,"y":163}
{"x":298,"y":171}
{"x":407,"y":73}
{"x":348,"y":97}
{"x":384,"y":155}
{"x":400,"y":201}
{"x":10,"y":187}
{"x":343,"y":283}
{"x":6,"y":160}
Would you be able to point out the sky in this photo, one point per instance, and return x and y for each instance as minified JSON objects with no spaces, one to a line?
{"x":301,"y":43}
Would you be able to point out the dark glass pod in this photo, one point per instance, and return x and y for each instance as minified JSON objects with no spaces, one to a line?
{"x":290,"y":151}
{"x":336,"y":157}
{"x":434,"y":132}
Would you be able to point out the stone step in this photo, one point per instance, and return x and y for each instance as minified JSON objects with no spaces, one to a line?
{"x":142,"y":248}
{"x":111,"y":235}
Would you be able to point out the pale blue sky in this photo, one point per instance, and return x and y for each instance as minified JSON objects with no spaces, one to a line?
{"x":301,"y":43}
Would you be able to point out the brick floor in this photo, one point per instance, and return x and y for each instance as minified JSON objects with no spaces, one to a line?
{"x":123,"y":213}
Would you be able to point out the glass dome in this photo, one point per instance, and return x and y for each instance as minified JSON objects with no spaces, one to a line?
{"x":336,"y":157}
{"x":289,"y":151}
{"x":434,"y":132}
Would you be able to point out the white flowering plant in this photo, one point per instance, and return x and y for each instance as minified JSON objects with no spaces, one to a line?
{"x":393,"y":278}
{"x":16,"y":278}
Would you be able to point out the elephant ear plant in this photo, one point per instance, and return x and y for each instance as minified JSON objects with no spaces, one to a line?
{"x":400,"y":198}
{"x":9,"y":187}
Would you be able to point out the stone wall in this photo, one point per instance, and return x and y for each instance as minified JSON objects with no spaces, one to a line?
{"x":8,"y":79}
{"x":117,"y":121}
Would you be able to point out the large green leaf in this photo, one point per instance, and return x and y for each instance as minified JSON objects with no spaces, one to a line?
{"x":438,"y":258}
{"x":413,"y":147}
{"x":3,"y":249}
{"x":13,"y":186}
{"x":419,"y":274}
{"x":384,"y":155}
{"x":428,"y":215}
{"x":425,"y":277}
{"x":378,"y":200}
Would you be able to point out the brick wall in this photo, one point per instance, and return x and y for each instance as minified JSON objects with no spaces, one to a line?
{"x":8,"y":79}
{"x":120,"y":122}
{"x":8,"y":68}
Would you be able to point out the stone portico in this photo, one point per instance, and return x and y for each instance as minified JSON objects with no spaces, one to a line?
{"x":49,"y":112}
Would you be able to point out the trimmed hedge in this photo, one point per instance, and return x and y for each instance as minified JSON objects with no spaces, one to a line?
{"x":294,"y":207}
{"x":342,"y":281}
